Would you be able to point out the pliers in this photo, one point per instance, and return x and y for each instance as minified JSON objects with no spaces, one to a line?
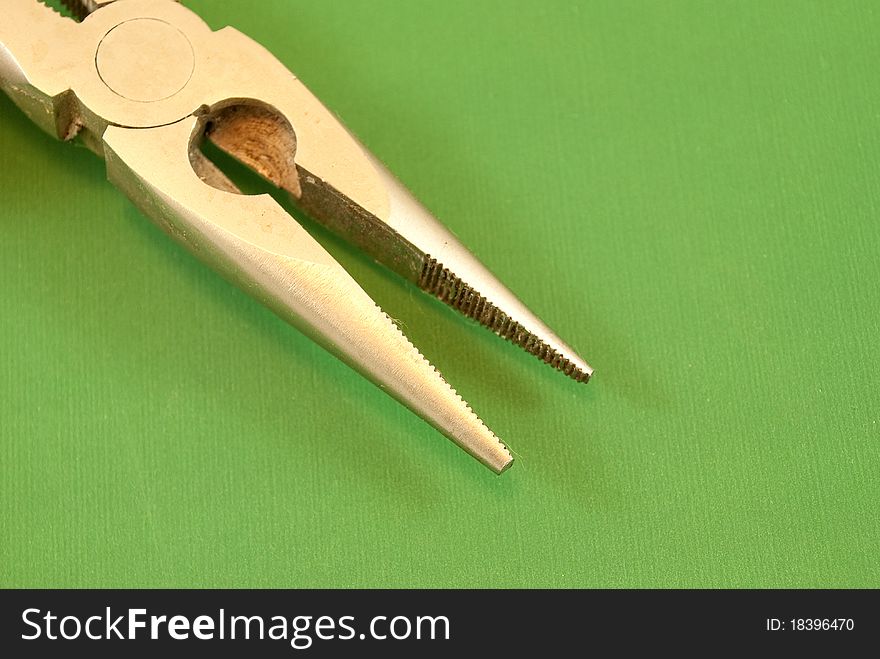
{"x":143,"y":82}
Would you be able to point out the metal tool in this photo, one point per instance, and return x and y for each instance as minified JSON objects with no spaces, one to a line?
{"x":143,"y":82}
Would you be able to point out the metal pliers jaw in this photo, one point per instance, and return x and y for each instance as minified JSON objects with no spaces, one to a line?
{"x":142,"y":82}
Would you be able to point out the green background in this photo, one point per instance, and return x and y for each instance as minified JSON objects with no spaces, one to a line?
{"x":686,"y":191}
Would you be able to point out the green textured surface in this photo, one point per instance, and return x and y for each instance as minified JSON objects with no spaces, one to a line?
{"x":686,"y":191}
